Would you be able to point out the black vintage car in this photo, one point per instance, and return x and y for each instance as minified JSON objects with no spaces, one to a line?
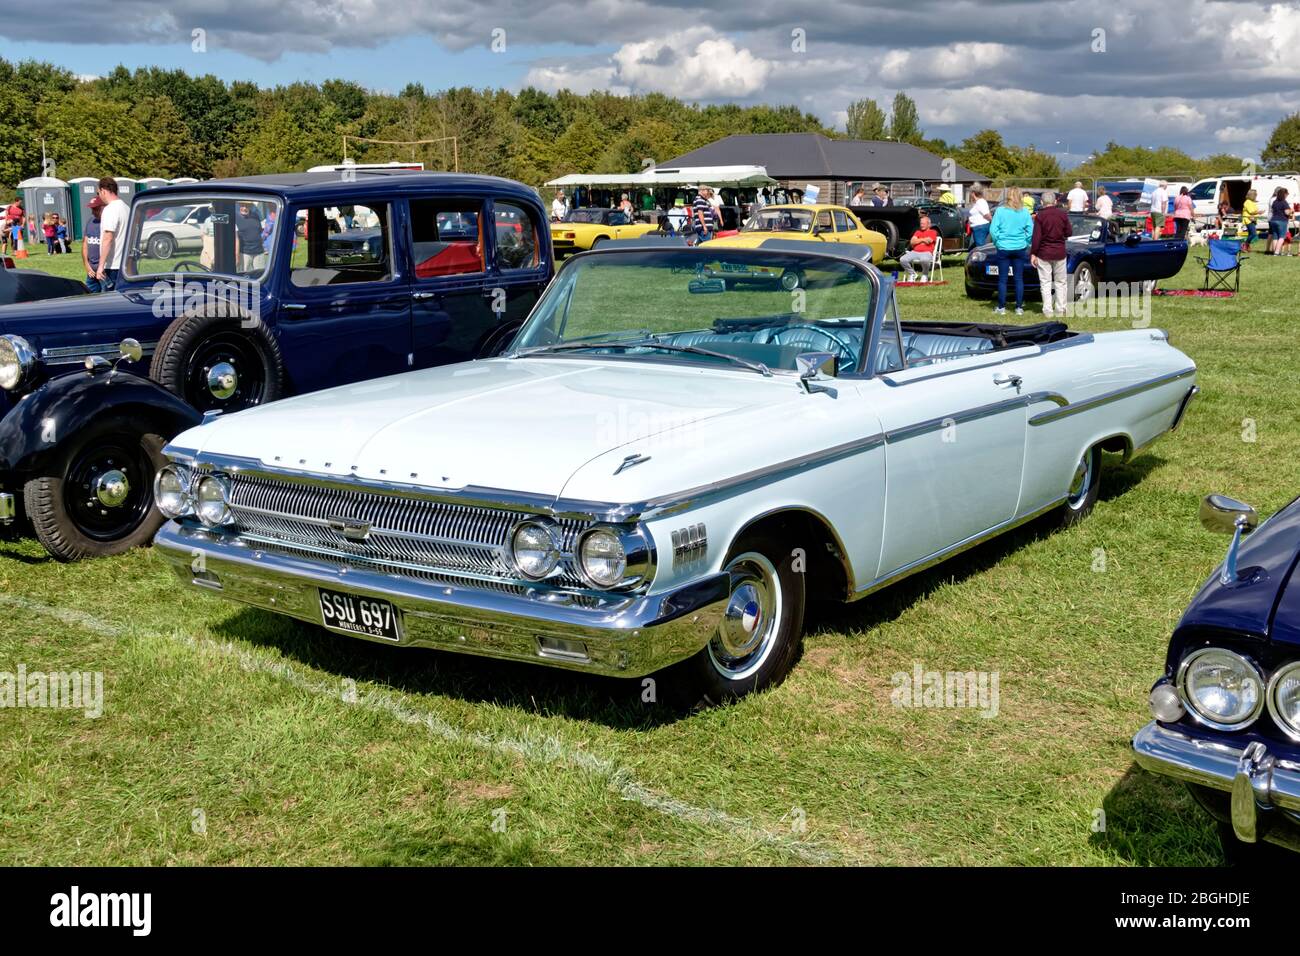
{"x":30,"y":285}
{"x":259,"y":312}
{"x":899,"y":220}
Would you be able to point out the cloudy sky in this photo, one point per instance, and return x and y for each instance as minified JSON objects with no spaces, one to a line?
{"x":1066,"y":75}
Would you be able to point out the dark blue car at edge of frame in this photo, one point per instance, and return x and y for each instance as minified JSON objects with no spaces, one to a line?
{"x":1227,"y":708}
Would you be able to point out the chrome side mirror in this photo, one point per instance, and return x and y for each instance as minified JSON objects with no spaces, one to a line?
{"x":130,"y":351}
{"x":814,"y":366}
{"x":1229,"y":516}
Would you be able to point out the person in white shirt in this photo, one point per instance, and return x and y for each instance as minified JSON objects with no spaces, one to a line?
{"x":1104,"y":204}
{"x":559,"y":207}
{"x":1159,"y":207}
{"x":979,"y":217}
{"x":1077,"y":198}
{"x":112,"y":228}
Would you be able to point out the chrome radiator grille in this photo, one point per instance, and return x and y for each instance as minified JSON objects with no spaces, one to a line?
{"x":412,"y":536}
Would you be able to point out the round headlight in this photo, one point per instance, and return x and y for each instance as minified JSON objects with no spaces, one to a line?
{"x":602,"y":557}
{"x":976,"y":256}
{"x":210,"y":501}
{"x":1222,"y":689}
{"x":171,"y":492}
{"x":535,"y":549}
{"x":1284,"y":699}
{"x":16,"y":361}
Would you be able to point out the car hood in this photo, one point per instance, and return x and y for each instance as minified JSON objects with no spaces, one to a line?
{"x":1269,"y":605}
{"x":558,"y":426}
{"x":70,"y":319}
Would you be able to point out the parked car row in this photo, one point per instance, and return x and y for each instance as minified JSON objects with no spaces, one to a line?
{"x":647,"y":466}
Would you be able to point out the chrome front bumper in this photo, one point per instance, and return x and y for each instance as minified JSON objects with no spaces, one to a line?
{"x":616,"y":634}
{"x":1260,"y":784}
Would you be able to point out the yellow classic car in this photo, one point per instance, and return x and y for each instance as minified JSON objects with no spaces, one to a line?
{"x":586,"y":226}
{"x":817,"y":222}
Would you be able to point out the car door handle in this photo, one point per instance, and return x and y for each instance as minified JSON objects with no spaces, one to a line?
{"x":422,"y":296}
{"x":1007,"y":378}
{"x":293,"y":307}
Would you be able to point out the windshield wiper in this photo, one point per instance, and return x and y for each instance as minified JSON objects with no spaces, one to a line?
{"x":648,"y":344}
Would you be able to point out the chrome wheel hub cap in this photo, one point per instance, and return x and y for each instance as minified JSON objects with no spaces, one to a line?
{"x":748,"y":630}
{"x":223,"y":380}
{"x":112,"y":489}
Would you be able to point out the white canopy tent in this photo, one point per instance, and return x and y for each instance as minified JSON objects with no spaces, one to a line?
{"x":717,"y":176}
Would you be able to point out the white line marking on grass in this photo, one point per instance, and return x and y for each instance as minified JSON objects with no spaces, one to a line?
{"x":548,"y":750}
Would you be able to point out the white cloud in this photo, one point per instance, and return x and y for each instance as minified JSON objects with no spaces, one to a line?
{"x":1239,"y":134}
{"x":1273,"y":38}
{"x":958,"y":61}
{"x":694,"y":64}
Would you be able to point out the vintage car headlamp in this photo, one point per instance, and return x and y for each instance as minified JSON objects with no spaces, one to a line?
{"x":612,"y":557}
{"x":1284,"y":699}
{"x":535,"y":548}
{"x":17,"y":359}
{"x":212,"y":500}
{"x":1221,"y":688}
{"x":171,"y":492}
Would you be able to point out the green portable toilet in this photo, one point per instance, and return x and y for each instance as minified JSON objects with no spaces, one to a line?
{"x":83,"y":190}
{"x":43,"y":195}
{"x":150,"y":182}
{"x":127,"y":188}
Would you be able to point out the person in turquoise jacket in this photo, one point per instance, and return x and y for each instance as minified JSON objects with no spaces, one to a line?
{"x":1011,"y":232}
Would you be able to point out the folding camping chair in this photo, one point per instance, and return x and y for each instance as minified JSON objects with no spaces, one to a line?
{"x":1222,"y":264}
{"x":936,"y":260}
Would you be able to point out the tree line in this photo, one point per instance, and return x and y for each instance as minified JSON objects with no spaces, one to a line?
{"x":157,"y":122}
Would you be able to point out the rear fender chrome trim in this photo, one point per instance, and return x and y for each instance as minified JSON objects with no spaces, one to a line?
{"x":1105,"y":398}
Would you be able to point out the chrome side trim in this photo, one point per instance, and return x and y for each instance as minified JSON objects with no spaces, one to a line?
{"x":970,"y":414}
{"x":922,"y":564}
{"x":1106,"y":398}
{"x":76,"y":354}
{"x":1182,"y":408}
{"x":669,"y":504}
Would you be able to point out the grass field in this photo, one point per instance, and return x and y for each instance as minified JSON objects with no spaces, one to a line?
{"x":231,"y":736}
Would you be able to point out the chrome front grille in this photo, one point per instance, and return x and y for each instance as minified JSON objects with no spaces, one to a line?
{"x":410,"y":536}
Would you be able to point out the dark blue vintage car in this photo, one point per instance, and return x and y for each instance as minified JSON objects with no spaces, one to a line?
{"x":424,"y":269}
{"x":1228,"y":706}
{"x":1099,"y":250}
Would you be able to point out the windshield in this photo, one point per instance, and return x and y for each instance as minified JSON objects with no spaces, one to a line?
{"x":183,"y":234}
{"x":738,"y":307}
{"x":586,"y":215}
{"x":780,"y":220}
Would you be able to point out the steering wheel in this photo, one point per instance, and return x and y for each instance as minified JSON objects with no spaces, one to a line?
{"x":844,"y":347}
{"x":191,"y":265}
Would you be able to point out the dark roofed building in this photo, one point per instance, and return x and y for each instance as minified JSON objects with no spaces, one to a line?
{"x":834,"y":165}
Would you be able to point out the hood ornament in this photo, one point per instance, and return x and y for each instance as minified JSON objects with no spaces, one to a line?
{"x":631,"y":461}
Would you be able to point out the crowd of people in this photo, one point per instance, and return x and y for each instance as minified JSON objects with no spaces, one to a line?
{"x":101,"y":246}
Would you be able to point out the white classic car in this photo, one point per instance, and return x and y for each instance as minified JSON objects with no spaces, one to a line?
{"x":662,"y":468}
{"x":175,"y":229}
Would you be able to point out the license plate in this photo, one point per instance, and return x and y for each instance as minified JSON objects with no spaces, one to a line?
{"x":353,"y":614}
{"x":993,"y":270}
